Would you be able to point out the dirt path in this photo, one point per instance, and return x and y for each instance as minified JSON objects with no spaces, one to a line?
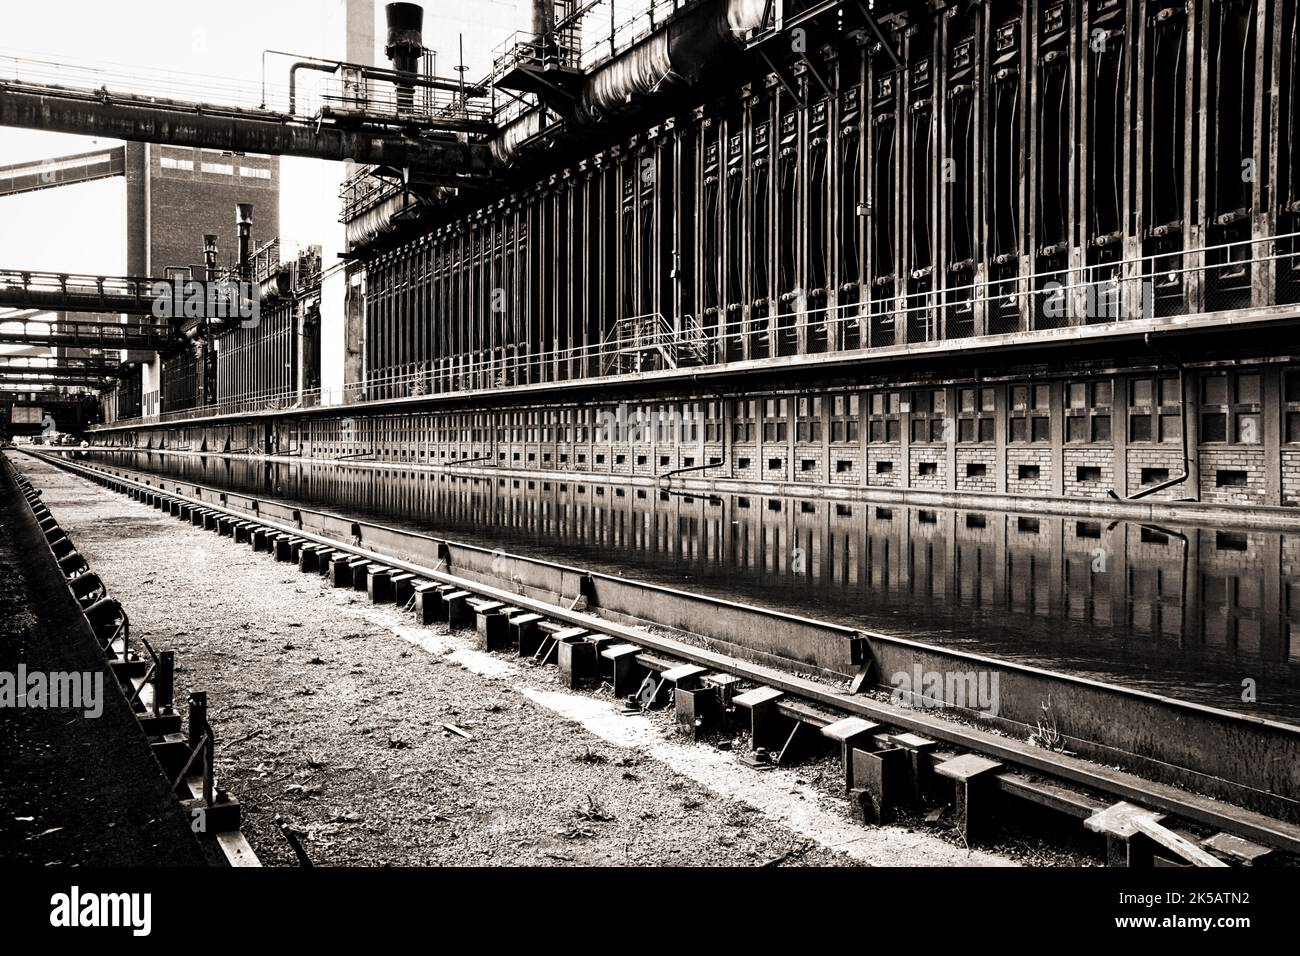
{"x":331,"y":712}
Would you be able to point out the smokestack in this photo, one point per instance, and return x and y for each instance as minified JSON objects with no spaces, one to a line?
{"x":543,"y":17}
{"x":544,"y":29}
{"x":210,"y":255}
{"x":404,"y":46}
{"x":244,"y":222}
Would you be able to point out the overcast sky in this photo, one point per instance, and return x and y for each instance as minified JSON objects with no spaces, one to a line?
{"x":82,"y":228}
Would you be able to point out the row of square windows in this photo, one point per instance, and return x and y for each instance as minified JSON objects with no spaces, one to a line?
{"x":1230,"y":412}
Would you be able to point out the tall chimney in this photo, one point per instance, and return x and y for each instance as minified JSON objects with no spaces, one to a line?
{"x":244,"y":221}
{"x":544,"y":29}
{"x":404,"y":46}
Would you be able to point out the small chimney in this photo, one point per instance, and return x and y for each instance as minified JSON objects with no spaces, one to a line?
{"x":404,"y":46}
{"x":210,"y":255}
{"x":244,"y":222}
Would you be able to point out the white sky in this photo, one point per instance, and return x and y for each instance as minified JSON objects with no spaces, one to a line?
{"x":82,"y":228}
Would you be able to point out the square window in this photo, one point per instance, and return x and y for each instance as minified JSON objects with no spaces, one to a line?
{"x":927,"y":468}
{"x":1248,"y":388}
{"x":1214,"y":427}
{"x":1248,"y":429}
{"x":1028,"y":472}
{"x":1291,"y":387}
{"x":807,"y":464}
{"x":1042,"y":429}
{"x":1139,"y":428}
{"x":1214,"y":390}
{"x":1100,"y":428}
{"x":1019,"y":429}
{"x":1140,"y":391}
{"x":1230,"y":541}
{"x":774,"y":464}
{"x":1171,"y":427}
{"x":843,"y":466}
{"x":966,"y":430}
{"x":986,"y":429}
{"x":884,"y":467}
{"x":1076,"y":428}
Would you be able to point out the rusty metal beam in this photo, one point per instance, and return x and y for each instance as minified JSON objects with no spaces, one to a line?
{"x":249,"y":131}
{"x":38,"y":174}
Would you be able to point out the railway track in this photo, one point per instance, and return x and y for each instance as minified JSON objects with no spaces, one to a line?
{"x":892,"y":755}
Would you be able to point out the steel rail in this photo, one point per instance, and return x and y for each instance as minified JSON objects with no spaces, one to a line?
{"x":1117,"y":783}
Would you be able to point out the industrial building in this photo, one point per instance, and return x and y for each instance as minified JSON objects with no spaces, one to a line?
{"x":957,"y":247}
{"x":740,"y":358}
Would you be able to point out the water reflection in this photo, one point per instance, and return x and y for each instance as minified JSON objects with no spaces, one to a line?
{"x":1187,"y":611}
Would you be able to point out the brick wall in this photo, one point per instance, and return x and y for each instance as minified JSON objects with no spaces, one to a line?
{"x":1098,"y":476}
{"x":852,"y":473}
{"x":1216,"y":460}
{"x":1029,"y":457}
{"x":968,"y":455}
{"x":184,"y":204}
{"x":814,"y":475}
{"x":931,"y":458}
{"x":1166,"y":459}
{"x":774,"y":455}
{"x":745,"y":463}
{"x":889,"y":454}
{"x":1290,"y":477}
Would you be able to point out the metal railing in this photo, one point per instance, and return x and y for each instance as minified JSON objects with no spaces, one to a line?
{"x":1225,"y":281}
{"x":342,"y":92}
{"x":364,"y":190}
{"x":23,"y":288}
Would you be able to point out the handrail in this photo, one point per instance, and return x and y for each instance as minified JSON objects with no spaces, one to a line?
{"x":698,"y":344}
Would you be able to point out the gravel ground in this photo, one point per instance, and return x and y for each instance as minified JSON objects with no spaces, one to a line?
{"x":332,"y":714}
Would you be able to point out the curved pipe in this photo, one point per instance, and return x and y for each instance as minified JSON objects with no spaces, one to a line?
{"x":293,"y":77}
{"x":374,"y":222}
{"x":679,"y":54}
